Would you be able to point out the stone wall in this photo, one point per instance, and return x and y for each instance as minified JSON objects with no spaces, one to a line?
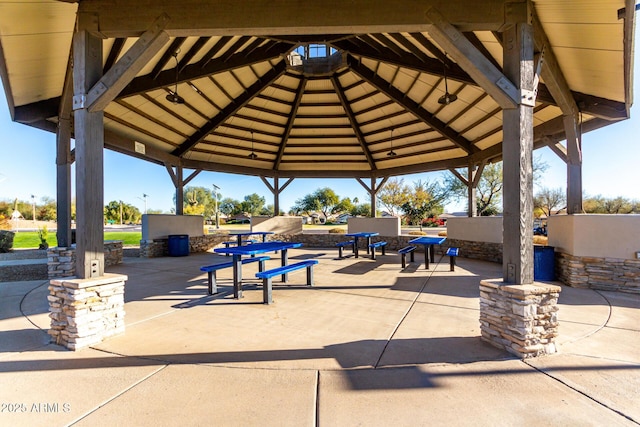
{"x":84,"y":312}
{"x":521,"y":319}
{"x":62,"y":260}
{"x":608,"y":274}
{"x":485,"y":251}
{"x":155,"y":248}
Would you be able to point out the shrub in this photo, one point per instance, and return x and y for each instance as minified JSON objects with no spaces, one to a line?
{"x":443,"y":233}
{"x":6,"y":241}
{"x":43,"y":233}
{"x":417,"y":233}
{"x":337,"y":230}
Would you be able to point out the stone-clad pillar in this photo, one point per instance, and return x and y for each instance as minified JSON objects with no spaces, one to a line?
{"x":521,"y":319}
{"x":86,"y":311}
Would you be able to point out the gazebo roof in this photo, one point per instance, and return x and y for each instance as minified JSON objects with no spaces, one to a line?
{"x":317,"y":101}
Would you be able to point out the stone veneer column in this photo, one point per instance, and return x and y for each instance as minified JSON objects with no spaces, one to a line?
{"x":521,"y":319}
{"x":86,"y":311}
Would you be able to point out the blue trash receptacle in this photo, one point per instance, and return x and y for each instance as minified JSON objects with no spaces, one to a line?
{"x":178,"y":245}
{"x":544,"y":263}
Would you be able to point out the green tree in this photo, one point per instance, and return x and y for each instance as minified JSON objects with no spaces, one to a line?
{"x":130,"y":213}
{"x":393,"y":195}
{"x":47,"y":211}
{"x":344,"y":206}
{"x":549,"y":200}
{"x":230,"y":207}
{"x":253,"y":204}
{"x":425,"y":201}
{"x":324,"y":200}
{"x":489,"y":190}
{"x":198,"y":201}
{"x":362,"y":209}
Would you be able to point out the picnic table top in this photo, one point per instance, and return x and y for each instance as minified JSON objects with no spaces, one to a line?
{"x":258,"y":248}
{"x":428,"y":240}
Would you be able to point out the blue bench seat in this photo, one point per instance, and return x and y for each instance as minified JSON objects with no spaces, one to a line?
{"x":268,"y":275}
{"x":375,"y":245}
{"x":341,"y":245}
{"x":404,"y":251}
{"x":453,"y":253}
{"x":211,"y":270}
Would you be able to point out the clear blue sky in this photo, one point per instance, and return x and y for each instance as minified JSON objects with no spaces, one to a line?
{"x":611,"y":158}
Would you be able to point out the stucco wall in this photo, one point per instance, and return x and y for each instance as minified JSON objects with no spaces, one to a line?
{"x":156,"y":226}
{"x":387,"y":226}
{"x":278,"y":224}
{"x":477,"y":229}
{"x":605,"y":236}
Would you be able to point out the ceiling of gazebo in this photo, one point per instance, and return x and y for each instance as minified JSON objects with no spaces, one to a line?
{"x":338,"y":114}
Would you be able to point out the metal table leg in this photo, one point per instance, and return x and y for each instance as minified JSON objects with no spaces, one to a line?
{"x":237,"y":276}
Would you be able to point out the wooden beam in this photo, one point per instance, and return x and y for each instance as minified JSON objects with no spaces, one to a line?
{"x":166,"y":56}
{"x":195,"y":71}
{"x":551,"y":72}
{"x":354,"y":122}
{"x":191,"y":176}
{"x":410,"y":105}
{"x":292,"y":116}
{"x":123,"y":18}
{"x":123,"y":71}
{"x":470,"y":59}
{"x":114,"y":53}
{"x":228,"y":111}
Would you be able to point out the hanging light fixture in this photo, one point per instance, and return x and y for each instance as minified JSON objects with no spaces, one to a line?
{"x":391,"y":153}
{"x":252,"y":155}
{"x":173,"y":97}
{"x":447,"y":98}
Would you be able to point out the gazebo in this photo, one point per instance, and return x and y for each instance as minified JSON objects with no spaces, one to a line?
{"x":279,"y":89}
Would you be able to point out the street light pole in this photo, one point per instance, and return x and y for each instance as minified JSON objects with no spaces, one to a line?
{"x":33,"y":204}
{"x":144,"y":197}
{"x":215,"y":198}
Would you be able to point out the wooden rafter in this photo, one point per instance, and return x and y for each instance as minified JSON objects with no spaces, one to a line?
{"x":410,"y":105}
{"x":354,"y":122}
{"x":242,"y":100}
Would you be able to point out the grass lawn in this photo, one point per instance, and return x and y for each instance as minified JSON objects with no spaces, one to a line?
{"x":30,"y":239}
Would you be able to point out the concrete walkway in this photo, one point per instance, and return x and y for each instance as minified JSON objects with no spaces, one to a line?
{"x":368,"y":345}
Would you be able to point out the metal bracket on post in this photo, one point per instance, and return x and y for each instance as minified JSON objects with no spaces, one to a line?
{"x":79,"y":102}
{"x":528,"y":97}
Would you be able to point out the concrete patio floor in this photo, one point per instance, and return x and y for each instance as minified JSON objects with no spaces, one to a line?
{"x":369,"y":345}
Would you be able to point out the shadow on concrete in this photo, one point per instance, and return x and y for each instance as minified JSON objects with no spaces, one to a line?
{"x":351,"y":356}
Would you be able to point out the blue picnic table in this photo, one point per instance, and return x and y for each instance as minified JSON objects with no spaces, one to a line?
{"x":356,"y":236}
{"x":251,"y":250}
{"x":428,"y":243}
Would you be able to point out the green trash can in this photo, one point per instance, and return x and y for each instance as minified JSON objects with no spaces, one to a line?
{"x":544,"y":263}
{"x":178,"y":245}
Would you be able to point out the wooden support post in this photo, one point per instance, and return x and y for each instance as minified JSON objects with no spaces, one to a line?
{"x":574,"y":166}
{"x":372,"y":193}
{"x":89,"y":136}
{"x":472,"y":206}
{"x":276,"y":189}
{"x":517,"y":155}
{"x":63,"y":182}
{"x":63,"y":161}
{"x":276,"y":197}
{"x":179,"y":191}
